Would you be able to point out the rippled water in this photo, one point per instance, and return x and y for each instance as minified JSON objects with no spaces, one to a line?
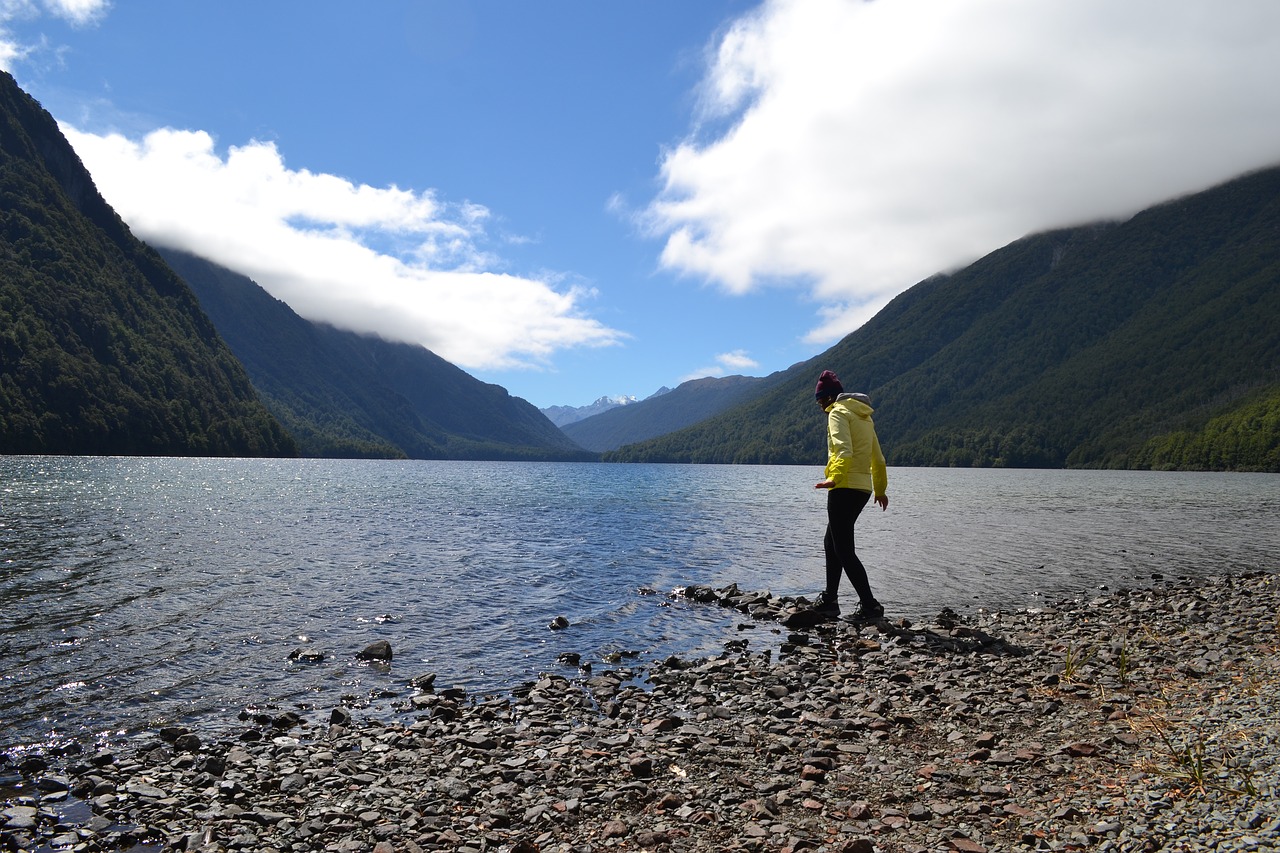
{"x":138,"y":591}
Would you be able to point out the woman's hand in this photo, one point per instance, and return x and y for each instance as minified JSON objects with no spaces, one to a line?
{"x":825,"y":484}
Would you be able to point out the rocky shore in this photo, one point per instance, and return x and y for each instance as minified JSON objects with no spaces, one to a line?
{"x":1141,"y":720}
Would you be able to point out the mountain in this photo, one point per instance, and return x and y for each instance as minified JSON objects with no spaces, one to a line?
{"x":1148,"y":343}
{"x":564,"y":415}
{"x":347,"y":395}
{"x":663,"y":413}
{"x":103,"y":350}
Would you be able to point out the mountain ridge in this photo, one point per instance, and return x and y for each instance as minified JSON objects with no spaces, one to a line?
{"x":1103,"y":345}
{"x":345,"y":394}
{"x":564,"y":415}
{"x":103,"y":349}
{"x":662,"y":413}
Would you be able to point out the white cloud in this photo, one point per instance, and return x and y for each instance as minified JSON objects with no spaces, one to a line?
{"x":726,"y":363}
{"x":387,"y":261}
{"x":78,"y":12}
{"x":862,"y":146}
{"x":737,"y":360}
{"x":11,"y":48}
{"x":14,"y":48}
{"x":10,"y":52}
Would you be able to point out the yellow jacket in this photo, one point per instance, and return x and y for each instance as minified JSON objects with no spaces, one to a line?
{"x":854,"y":458}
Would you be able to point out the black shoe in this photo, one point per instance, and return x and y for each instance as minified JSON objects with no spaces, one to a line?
{"x":827,"y":605}
{"x":872,"y":612}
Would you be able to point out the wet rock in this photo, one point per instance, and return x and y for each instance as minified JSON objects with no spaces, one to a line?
{"x":287,"y":720}
{"x":187,"y":743}
{"x":32,"y":766}
{"x":377,"y":651}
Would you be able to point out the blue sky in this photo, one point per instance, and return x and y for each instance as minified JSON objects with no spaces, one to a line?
{"x":577,"y":199}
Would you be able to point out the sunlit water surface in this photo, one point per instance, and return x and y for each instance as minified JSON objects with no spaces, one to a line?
{"x":141,"y":591}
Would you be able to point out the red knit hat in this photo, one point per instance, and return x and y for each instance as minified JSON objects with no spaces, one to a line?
{"x":828,"y":386}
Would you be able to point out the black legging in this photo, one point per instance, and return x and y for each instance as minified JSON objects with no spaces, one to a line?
{"x":843,"y":508}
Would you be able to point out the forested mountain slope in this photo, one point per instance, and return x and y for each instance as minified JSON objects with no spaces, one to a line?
{"x":346,"y":395}
{"x":689,"y":403}
{"x":103,"y":350}
{"x":1153,"y":342}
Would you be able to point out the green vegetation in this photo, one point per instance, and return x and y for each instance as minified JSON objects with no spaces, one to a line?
{"x":1074,"y":660}
{"x":346,"y":395}
{"x":1247,"y":438}
{"x":1149,"y":343}
{"x":103,"y":350}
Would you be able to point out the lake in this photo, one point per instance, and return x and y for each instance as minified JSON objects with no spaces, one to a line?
{"x":136,"y":592}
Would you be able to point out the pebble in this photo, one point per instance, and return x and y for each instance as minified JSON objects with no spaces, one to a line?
{"x":1116,"y":723}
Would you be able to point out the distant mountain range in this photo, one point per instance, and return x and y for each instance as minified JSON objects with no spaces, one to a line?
{"x":564,"y":415}
{"x":348,"y":395}
{"x":664,"y":412}
{"x":1149,"y":343}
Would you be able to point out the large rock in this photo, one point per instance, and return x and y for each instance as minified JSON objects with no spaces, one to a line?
{"x":381,"y":650}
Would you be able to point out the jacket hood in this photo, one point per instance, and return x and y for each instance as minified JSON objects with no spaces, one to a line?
{"x":855,"y":403}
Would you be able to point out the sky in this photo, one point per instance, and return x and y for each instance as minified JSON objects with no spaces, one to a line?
{"x":585,"y":199}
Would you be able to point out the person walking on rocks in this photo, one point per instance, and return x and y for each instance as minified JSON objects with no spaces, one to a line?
{"x":855,"y":470}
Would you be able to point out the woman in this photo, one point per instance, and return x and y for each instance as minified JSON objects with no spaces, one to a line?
{"x":855,"y":470}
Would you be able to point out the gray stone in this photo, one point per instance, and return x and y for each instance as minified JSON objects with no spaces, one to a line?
{"x":377,"y":651}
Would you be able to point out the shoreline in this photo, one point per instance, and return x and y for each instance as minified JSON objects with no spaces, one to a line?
{"x":1138,"y":720}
